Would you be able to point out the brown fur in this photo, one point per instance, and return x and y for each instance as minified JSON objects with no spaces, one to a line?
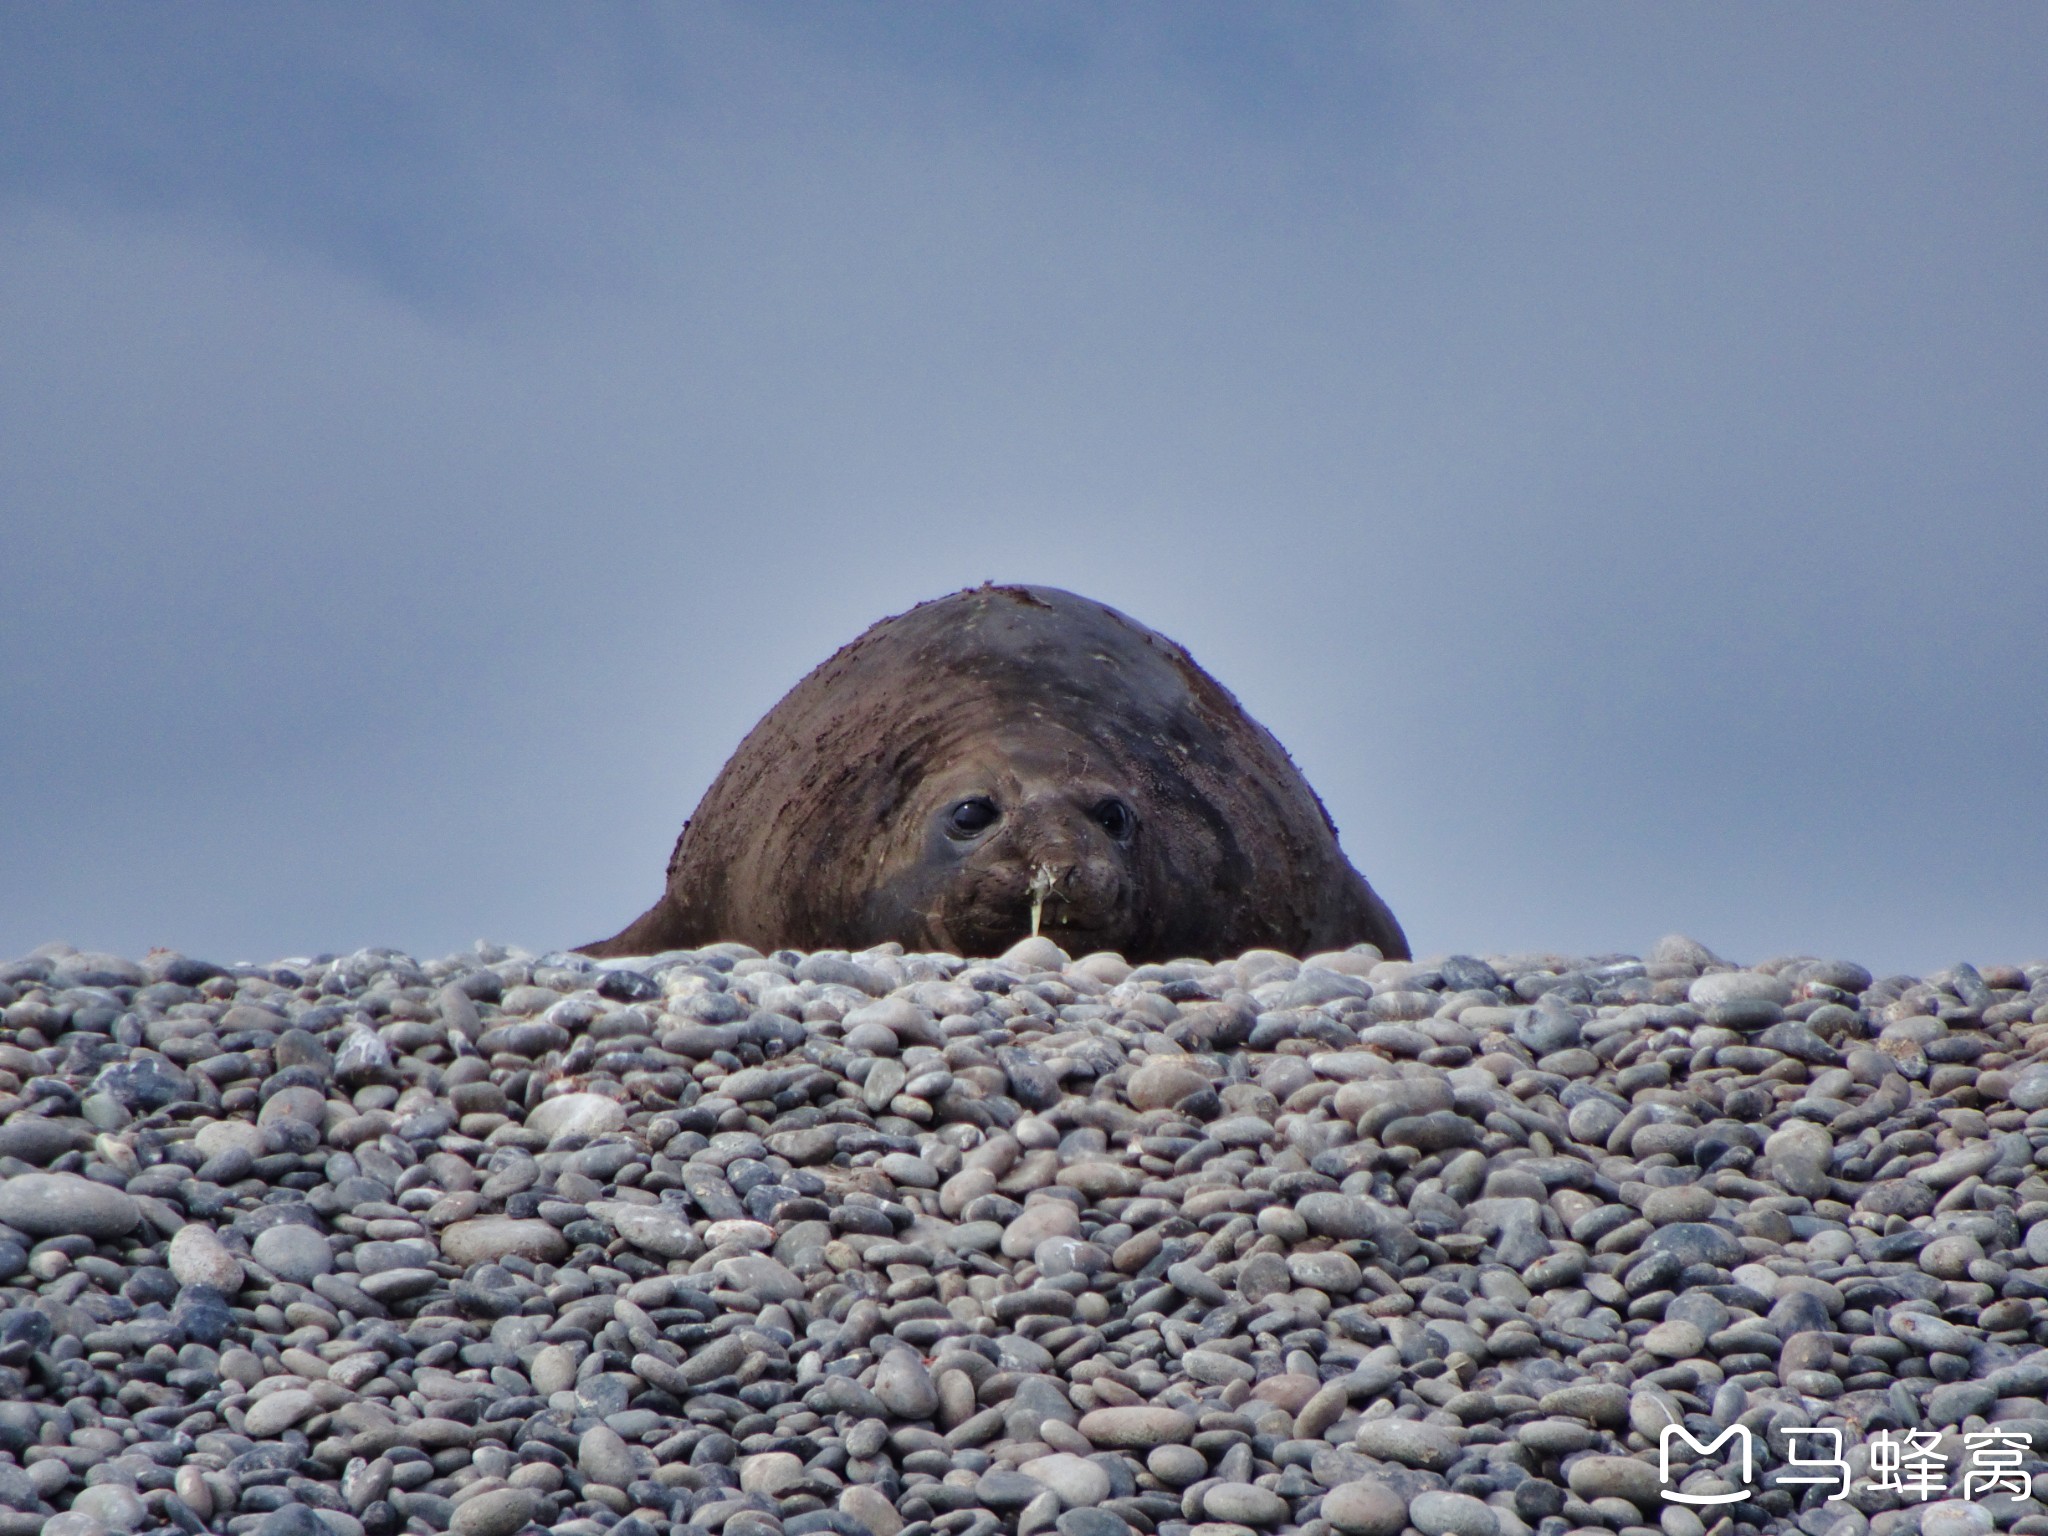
{"x":828,"y":828}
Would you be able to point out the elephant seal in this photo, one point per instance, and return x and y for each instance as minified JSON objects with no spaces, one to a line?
{"x":1007,"y":760}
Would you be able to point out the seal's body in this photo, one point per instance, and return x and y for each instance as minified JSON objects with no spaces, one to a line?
{"x":1002,"y":756}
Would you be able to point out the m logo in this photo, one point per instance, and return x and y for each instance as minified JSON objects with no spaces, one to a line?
{"x":1737,"y":1432}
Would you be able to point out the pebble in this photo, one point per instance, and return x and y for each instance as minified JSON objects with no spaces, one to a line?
{"x":576,"y":1114}
{"x":500,"y":1512}
{"x":1955,"y":1517}
{"x":1075,"y":1479}
{"x":1409,"y":1443}
{"x":293,"y":1252}
{"x":486,"y":1239}
{"x":889,"y":1243}
{"x":1436,"y":1513}
{"x":273,"y":1415}
{"x":42,"y":1205}
{"x":1244,"y":1503}
{"x":197,"y":1257}
{"x":1136,"y":1428}
{"x":1365,"y":1508}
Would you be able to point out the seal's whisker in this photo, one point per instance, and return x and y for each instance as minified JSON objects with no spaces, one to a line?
{"x":1043,"y":879}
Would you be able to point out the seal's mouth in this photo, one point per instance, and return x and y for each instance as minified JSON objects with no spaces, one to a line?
{"x":1044,"y":898}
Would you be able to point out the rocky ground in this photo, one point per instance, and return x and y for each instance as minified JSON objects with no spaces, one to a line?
{"x":897,"y":1245}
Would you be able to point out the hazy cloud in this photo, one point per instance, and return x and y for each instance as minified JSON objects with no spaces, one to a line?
{"x":1603,"y":444}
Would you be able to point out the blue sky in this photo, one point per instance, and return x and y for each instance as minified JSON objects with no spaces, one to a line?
{"x":1603,"y":443}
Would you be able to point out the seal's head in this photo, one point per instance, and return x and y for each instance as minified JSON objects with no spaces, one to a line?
{"x":1005,"y":756}
{"x":1034,"y":834}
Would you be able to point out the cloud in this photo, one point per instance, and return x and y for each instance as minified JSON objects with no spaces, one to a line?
{"x":1599,"y":445}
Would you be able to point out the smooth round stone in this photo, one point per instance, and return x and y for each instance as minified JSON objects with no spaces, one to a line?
{"x":273,"y":1415}
{"x":576,"y":1114}
{"x":1284,"y":1223}
{"x":904,"y":1386}
{"x":487,"y":1239}
{"x":602,"y":1456}
{"x":1006,"y":1491}
{"x":742,"y":1232}
{"x":657,"y":1230}
{"x":1594,"y":1120}
{"x":1555,"y":1437}
{"x":1100,"y":1179}
{"x":1365,"y":1508}
{"x":204,"y":1314}
{"x":1958,"y":1400}
{"x":114,"y":1505}
{"x":497,"y":1513}
{"x":307,"y":1106}
{"x":1330,"y":1271}
{"x":1093,"y":1522}
{"x":1244,"y":1503}
{"x":1811,"y":1351}
{"x":1738,"y":987}
{"x":872,"y":1038}
{"x":191,"y":1487}
{"x":66,"y":1205}
{"x":1677,"y":1340}
{"x":293,"y":1252}
{"x":1036,"y":953}
{"x":197,"y":1257}
{"x":1177,"y":1465}
{"x":74,"y":1523}
{"x":1950,"y":1170}
{"x":1076,"y":1479}
{"x":1289,"y":1391}
{"x":553,"y":1369}
{"x":1616,"y":1477}
{"x":771,"y":1473}
{"x":35,"y":1140}
{"x":1136,"y":1428}
{"x":1413,"y":1445}
{"x":1797,"y":1155}
{"x":1683,"y":1202}
{"x":908,"y":1171}
{"x":1214,"y":1368}
{"x":1036,"y":1223}
{"x":1955,"y":1517}
{"x":1766,"y":1282}
{"x":402,"y":1283}
{"x":1929,"y":1335}
{"x":2029,"y":1090}
{"x":1950,"y":1258}
{"x":1451,"y":1514}
{"x":871,"y":1508}
{"x":1341,"y":1216}
{"x":221,"y":1136}
{"x":292,"y":1520}
{"x":1898,"y":1197}
{"x":105,"y":1112}
{"x":1596,"y":1402}
{"x":1163,"y":1083}
{"x":1694,"y":1242}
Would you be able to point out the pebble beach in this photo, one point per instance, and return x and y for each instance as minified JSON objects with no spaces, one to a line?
{"x":891,"y":1244}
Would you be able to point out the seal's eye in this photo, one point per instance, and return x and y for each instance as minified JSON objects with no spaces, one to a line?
{"x":971,"y":818}
{"x":1115,"y":818}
